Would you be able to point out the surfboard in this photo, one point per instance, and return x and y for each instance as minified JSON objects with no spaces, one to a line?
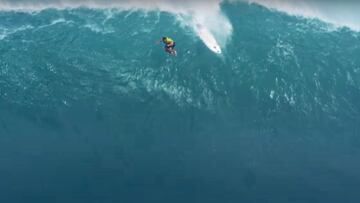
{"x":172,"y":53}
{"x":208,"y":39}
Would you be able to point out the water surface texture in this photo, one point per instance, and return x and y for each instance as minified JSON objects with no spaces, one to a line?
{"x":93,"y":111}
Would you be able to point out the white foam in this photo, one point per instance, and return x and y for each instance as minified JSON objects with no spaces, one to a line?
{"x":4,"y":32}
{"x":208,"y":39}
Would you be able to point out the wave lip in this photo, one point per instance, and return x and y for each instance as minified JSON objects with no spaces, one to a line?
{"x":338,"y":13}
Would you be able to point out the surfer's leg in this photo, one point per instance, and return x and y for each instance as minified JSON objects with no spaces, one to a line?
{"x":171,"y":48}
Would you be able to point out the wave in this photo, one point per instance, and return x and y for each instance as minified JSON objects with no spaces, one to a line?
{"x":208,"y":14}
{"x":190,"y":13}
{"x":268,"y":63}
{"x":338,"y":13}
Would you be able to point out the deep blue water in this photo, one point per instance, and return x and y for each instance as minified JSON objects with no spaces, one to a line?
{"x":92,"y":110}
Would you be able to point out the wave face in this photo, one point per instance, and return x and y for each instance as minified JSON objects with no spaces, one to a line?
{"x":93,"y":110}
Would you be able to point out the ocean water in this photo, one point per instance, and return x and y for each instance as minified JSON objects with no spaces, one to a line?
{"x":92,"y":109}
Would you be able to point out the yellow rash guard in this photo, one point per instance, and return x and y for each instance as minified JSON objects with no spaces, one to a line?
{"x":168,"y":40}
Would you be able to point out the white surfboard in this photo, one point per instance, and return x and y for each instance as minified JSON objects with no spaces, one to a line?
{"x":208,"y":39}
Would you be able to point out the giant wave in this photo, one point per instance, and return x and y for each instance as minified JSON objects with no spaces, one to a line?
{"x":93,"y":110}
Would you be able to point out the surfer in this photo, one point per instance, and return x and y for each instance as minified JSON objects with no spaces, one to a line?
{"x":169,"y":45}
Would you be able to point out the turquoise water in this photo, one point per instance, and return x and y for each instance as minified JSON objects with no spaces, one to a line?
{"x":93,"y":110}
